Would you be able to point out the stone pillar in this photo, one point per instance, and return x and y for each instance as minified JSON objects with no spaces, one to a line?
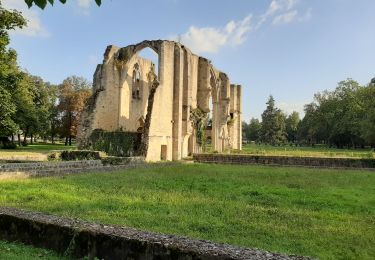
{"x":239,"y":116}
{"x":204,"y":86}
{"x":177,"y":140}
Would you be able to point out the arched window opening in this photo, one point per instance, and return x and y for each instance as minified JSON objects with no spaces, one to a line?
{"x":136,"y":82}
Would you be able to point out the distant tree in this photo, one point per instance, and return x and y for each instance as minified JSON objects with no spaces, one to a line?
{"x":73,"y":93}
{"x":306,"y":132}
{"x":367,"y":127}
{"x":338,"y":118}
{"x":254,"y":129}
{"x":273,"y":124}
{"x":42,"y":3}
{"x":292,"y":123}
{"x":245,"y":130}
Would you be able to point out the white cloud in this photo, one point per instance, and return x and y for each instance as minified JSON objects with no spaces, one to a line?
{"x":84,"y":3}
{"x":283,"y":12}
{"x":34,"y":23}
{"x":289,"y":107}
{"x":285,"y":18}
{"x":211,"y":39}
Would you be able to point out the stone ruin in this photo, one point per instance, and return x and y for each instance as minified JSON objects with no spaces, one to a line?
{"x":176,"y":110}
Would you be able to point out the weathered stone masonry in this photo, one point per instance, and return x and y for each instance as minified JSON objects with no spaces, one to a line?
{"x":186,"y":82}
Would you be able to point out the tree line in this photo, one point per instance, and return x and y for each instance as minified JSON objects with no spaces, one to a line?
{"x":30,"y":107}
{"x":344,"y":117}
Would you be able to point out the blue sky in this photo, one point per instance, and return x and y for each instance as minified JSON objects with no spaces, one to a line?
{"x":288,"y":48}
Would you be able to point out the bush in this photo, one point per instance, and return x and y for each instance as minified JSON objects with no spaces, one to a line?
{"x":9,"y":145}
{"x":119,"y":143}
{"x":79,"y":155}
{"x":53,"y":156}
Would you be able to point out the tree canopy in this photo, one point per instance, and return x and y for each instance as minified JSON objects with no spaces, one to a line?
{"x":43,"y":3}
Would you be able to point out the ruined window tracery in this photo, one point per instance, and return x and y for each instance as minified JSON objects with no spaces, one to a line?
{"x":136,"y":82}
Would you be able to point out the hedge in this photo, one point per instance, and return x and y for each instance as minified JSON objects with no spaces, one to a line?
{"x":118,"y":143}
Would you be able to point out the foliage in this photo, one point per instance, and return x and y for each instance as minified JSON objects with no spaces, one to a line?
{"x":199,"y":121}
{"x":42,"y":3}
{"x":292,"y":123}
{"x":253,"y":130}
{"x":16,"y":251}
{"x":115,"y":143}
{"x":73,"y":94}
{"x":273,"y":124}
{"x":10,"y":74}
{"x":79,"y":155}
{"x":325,"y":214}
{"x":344,"y":117}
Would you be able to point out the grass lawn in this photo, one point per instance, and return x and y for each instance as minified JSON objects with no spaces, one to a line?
{"x":317,"y":151}
{"x":328,"y":214}
{"x":16,"y":251}
{"x":38,"y":151}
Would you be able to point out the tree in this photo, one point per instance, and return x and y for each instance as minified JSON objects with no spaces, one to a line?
{"x":73,"y":94}
{"x":273,"y":124}
{"x":42,"y":3}
{"x":254,"y":129}
{"x":340,"y":118}
{"x":367,"y":127}
{"x":10,"y":74}
{"x":292,"y":123}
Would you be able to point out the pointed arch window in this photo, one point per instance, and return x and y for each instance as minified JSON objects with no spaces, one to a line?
{"x":136,"y":82}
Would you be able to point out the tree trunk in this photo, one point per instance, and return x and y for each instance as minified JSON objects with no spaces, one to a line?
{"x":12,"y":138}
{"x":25,"y":136}
{"x":66,"y":141}
{"x":146,"y":129}
{"x":19,"y":139}
{"x":70,"y":140}
{"x":31,"y":138}
{"x":53,"y":139}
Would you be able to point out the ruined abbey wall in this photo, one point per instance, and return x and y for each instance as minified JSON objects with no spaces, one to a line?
{"x":186,"y":83}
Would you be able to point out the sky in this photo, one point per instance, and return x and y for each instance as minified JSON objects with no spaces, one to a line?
{"x":290,"y":49}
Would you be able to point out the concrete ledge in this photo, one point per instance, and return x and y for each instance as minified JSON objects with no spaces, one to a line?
{"x":79,"y":239}
{"x":315,"y":162}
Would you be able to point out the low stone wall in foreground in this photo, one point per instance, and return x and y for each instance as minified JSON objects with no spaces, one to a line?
{"x":79,"y":239}
{"x":285,"y":161}
{"x":69,"y":167}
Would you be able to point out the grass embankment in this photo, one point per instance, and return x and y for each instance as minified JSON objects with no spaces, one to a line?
{"x":32,"y":152}
{"x":16,"y":251}
{"x":328,"y":214}
{"x":317,"y":151}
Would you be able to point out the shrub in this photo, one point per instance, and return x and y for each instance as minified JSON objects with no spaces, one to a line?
{"x":53,"y":156}
{"x":116,"y":143}
{"x":79,"y":155}
{"x":9,"y":145}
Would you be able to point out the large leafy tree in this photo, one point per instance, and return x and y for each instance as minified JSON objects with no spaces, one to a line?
{"x":73,"y":94}
{"x":254,"y":129}
{"x":367,"y":126}
{"x":10,"y":75}
{"x":292,"y":123}
{"x":273,"y":124}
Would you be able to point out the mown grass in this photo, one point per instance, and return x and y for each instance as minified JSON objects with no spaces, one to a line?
{"x":328,"y":214}
{"x":37,"y":151}
{"x":317,"y":151}
{"x":17,"y":251}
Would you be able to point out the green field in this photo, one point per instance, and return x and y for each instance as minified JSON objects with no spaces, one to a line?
{"x":17,"y":251}
{"x":317,"y":151}
{"x":328,"y":214}
{"x":37,"y":152}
